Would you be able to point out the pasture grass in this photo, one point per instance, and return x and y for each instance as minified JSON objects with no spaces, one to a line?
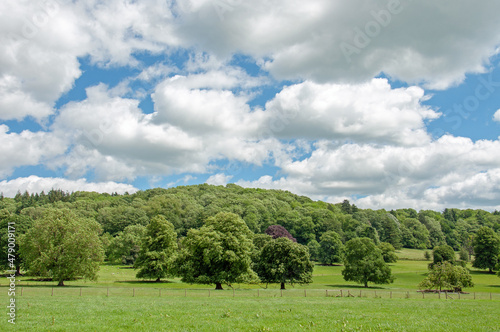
{"x":146,"y":313}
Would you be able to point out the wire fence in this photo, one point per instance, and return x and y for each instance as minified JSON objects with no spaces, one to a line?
{"x":256,"y":293}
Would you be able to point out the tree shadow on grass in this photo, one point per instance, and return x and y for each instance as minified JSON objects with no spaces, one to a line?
{"x":481,"y":272}
{"x":354,"y":286}
{"x":144,"y":282}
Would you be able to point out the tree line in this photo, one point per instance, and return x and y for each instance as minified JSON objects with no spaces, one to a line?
{"x":123,"y":225}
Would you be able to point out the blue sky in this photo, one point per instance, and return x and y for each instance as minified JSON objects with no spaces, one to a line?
{"x":393,"y":105}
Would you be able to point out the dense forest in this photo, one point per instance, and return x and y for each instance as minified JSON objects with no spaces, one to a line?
{"x":188,"y":207}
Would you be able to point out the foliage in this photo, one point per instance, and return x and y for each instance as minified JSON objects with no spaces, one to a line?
{"x":486,"y":249}
{"x":62,"y":246}
{"x":283,"y":261}
{"x":125,"y":246}
{"x":463,"y":255}
{"x":158,"y":250}
{"x":388,"y":252}
{"x":448,"y":276}
{"x":443,"y":253}
{"x":276,"y":231}
{"x":331,"y":248}
{"x":219,"y":252}
{"x":427,"y":256}
{"x":364,"y":263}
{"x":314,"y":249}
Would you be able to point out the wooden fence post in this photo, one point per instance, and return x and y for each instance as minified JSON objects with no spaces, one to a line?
{"x":52,"y":291}
{"x":133,"y":292}
{"x":341,"y":295}
{"x":305,"y":293}
{"x":80,"y":291}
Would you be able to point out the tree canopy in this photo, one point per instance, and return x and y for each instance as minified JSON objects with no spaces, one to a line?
{"x":158,"y":250}
{"x":331,"y":248}
{"x":448,"y":276}
{"x":63,"y":246}
{"x":284,"y":261}
{"x":486,"y":249}
{"x":364,"y":263}
{"x":218,"y":253}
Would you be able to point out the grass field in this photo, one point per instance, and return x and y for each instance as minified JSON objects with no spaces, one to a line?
{"x":118,"y":301}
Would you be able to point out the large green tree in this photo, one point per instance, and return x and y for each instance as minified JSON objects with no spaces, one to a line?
{"x":448,"y":276}
{"x":158,"y":250}
{"x":443,"y":253}
{"x":218,"y":253}
{"x":364,"y":263}
{"x":388,"y":252}
{"x":125,"y":246}
{"x":62,"y":246}
{"x":284,"y":261}
{"x":331,"y":248}
{"x":486,"y":249}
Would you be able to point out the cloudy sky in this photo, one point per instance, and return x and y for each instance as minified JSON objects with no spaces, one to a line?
{"x":386,"y":103}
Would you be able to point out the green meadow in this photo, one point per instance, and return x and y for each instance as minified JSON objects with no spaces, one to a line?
{"x":118,"y":301}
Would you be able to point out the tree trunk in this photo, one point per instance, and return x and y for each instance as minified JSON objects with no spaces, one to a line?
{"x":61,"y":283}
{"x":157,"y":280}
{"x":366,"y":284}
{"x":218,"y":285}
{"x":282,"y":285}
{"x":18,"y":270}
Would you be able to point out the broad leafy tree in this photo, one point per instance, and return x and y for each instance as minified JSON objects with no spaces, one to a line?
{"x":125,"y":246}
{"x":158,"y":250}
{"x":443,"y":253}
{"x":448,"y":276}
{"x":218,"y":253}
{"x":331,"y":248}
{"x":62,"y":246}
{"x":486,"y":249}
{"x":283,"y":261}
{"x":388,"y":252}
{"x":314,"y":249}
{"x":364,"y":263}
{"x":276,"y":231}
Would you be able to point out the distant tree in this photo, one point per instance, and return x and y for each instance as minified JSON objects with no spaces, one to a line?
{"x":314,"y":249}
{"x":486,"y":249}
{"x":331,"y":248}
{"x":448,"y":276}
{"x":126,"y":245}
{"x":388,"y":252}
{"x":390,"y":230}
{"x":158,"y":250}
{"x":276,"y":231}
{"x":218,"y":253}
{"x":283,"y":261}
{"x":364,"y":263}
{"x":368,"y":231}
{"x":62,"y":246}
{"x":464,"y":255}
{"x":443,"y":253}
{"x":427,"y":256}
{"x":346,"y":207}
